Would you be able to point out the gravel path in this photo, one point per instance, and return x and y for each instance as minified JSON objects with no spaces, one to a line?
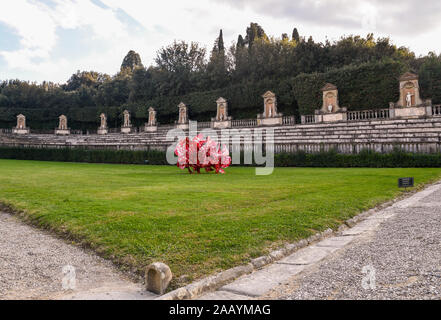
{"x":403,"y":254}
{"x":32,"y":262}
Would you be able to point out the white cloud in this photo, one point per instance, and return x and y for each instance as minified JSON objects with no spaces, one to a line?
{"x":36,"y":24}
{"x":110,"y":37}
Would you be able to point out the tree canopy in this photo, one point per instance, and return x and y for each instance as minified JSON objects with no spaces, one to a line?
{"x":185,"y":69}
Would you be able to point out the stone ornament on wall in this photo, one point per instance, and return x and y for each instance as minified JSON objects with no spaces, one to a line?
{"x":183,"y":114}
{"x":222,"y":119}
{"x":21,"y":122}
{"x":62,"y":125}
{"x":151,"y":125}
{"x":331,"y":110}
{"x":127,"y":124}
{"x":103,"y":129}
{"x":183,"y":117}
{"x":152,"y":117}
{"x":103,"y":119}
{"x":270,"y":116}
{"x":409,"y":91}
{"x":222,"y":109}
{"x":62,"y":129}
{"x":21,"y":125}
{"x":410,"y":104}
{"x":270,"y":105}
{"x":330,"y":99}
{"x":126,"y":119}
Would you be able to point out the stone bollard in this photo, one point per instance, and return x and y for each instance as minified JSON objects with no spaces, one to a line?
{"x":157,"y":277}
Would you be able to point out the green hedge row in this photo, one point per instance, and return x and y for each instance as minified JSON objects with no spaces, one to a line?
{"x":395,"y":159}
{"x":367,"y":86}
{"x":84,"y":155}
{"x":364,"y":159}
{"x":364,"y":87}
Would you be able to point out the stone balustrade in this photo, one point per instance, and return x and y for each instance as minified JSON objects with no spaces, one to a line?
{"x":306,"y":119}
{"x":288,"y":121}
{"x":204,"y":125}
{"x":436,"y":110}
{"x":244,"y":123}
{"x":368,"y":114}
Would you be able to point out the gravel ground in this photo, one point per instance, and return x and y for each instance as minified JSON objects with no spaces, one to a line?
{"x":405,"y":253}
{"x":32,"y":262}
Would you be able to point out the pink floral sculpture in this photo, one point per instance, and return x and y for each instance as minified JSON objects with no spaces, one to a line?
{"x":201,"y":153}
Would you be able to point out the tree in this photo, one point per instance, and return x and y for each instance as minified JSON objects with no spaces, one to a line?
{"x":295,"y":35}
{"x":217,"y":68}
{"x":180,"y":67}
{"x":131,"y":62}
{"x":85,"y":78}
{"x":430,"y":77}
{"x":254,"y":32}
{"x":240,"y":42}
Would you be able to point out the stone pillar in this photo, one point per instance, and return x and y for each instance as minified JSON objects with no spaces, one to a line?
{"x":103,"y":129}
{"x":410,"y":105}
{"x":151,"y":125}
{"x":21,"y":125}
{"x":63,"y":129}
{"x":127,"y":124}
{"x":222,"y":119}
{"x":270,"y":116}
{"x":183,"y":116}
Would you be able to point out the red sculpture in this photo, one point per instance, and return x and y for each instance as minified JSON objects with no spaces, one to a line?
{"x":201,"y":153}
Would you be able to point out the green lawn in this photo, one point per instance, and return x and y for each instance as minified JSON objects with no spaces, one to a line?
{"x":198,"y":224}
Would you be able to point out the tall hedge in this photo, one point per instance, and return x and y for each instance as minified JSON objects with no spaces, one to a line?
{"x":367,"y":86}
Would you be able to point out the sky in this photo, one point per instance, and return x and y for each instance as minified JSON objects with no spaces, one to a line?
{"x":49,"y":40}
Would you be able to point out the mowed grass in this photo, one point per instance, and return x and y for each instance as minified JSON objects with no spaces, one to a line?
{"x":197,"y":224}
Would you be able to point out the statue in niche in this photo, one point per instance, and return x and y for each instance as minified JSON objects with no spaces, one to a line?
{"x":182,"y":113}
{"x":152,"y":117}
{"x":21,"y":122}
{"x":222,"y":113}
{"x":330,"y":99}
{"x":270,"y":108}
{"x":63,"y":123}
{"x":103,"y":121}
{"x":409,"y":99}
{"x":126,"y":122}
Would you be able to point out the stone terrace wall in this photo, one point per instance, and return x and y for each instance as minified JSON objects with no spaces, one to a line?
{"x":413,"y":135}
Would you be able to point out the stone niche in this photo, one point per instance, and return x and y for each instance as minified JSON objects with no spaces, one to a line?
{"x":103,"y":129}
{"x":21,"y":126}
{"x":183,"y":117}
{"x":331,"y":110}
{"x":63,"y":129}
{"x":127,"y":124}
{"x":410,"y":105}
{"x":151,"y":125}
{"x":270,"y":116}
{"x":222,"y":119}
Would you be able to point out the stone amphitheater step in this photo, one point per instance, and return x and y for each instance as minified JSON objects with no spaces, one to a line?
{"x":388,"y":132}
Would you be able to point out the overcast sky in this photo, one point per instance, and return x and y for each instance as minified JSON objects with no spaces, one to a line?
{"x":51,"y":39}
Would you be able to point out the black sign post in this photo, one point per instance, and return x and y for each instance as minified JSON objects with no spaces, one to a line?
{"x":405,"y":182}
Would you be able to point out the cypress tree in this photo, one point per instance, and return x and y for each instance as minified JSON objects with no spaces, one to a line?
{"x":240,"y":42}
{"x":220,"y":42}
{"x":295,"y":35}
